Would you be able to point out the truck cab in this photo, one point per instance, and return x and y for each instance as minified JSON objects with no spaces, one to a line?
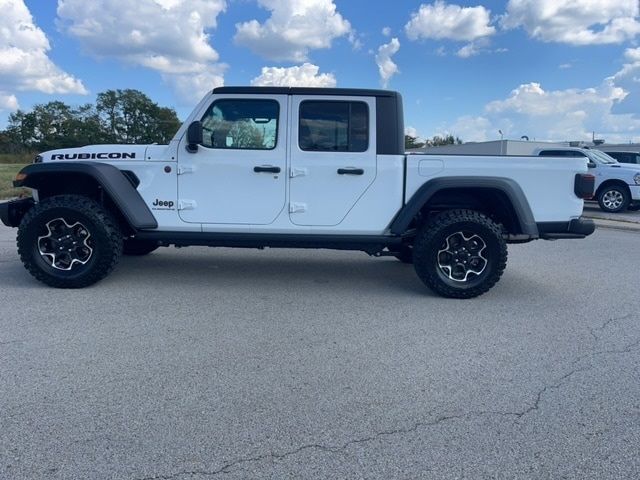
{"x":291,"y":159}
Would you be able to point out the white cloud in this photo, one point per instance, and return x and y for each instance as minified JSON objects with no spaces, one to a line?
{"x":576,"y":22}
{"x":470,"y":129}
{"x":169,"y":36}
{"x":386,"y":67}
{"x":8,"y":102}
{"x":628,"y":78}
{"x":294,"y":28}
{"x":532,"y":100}
{"x":386,"y":31}
{"x":306,"y":75}
{"x":440,"y":20}
{"x":191,"y":87}
{"x":632,"y":54}
{"x":557,"y":115}
{"x":570,"y":114}
{"x":355,"y":40}
{"x":24,"y":63}
{"x":411,"y":131}
{"x":481,"y":45}
{"x":441,"y":51}
{"x":469,"y":50}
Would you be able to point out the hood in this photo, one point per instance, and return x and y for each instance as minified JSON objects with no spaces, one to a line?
{"x":96,"y":153}
{"x":625,"y":166}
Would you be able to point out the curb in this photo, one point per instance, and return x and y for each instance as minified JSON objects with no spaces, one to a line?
{"x":616,"y":224}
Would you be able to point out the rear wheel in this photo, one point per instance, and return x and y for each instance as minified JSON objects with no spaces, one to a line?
{"x":69,"y":241}
{"x":460,"y":254}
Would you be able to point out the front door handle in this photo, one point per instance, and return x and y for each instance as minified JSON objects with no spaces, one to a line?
{"x":350,"y":171}
{"x":266,"y":168}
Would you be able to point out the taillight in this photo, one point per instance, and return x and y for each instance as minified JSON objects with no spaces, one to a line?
{"x":584,"y":184}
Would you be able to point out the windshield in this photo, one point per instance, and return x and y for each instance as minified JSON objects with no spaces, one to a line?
{"x":600,"y":157}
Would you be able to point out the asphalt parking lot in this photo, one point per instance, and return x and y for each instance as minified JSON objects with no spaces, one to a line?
{"x":218,"y":363}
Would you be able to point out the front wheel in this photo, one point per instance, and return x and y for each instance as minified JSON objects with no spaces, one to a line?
{"x":69,"y":241}
{"x":614,"y":198}
{"x":460,"y":254}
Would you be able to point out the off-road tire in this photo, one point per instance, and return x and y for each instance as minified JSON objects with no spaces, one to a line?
{"x":105,"y":240}
{"x":611,"y":192}
{"x":433,"y":241}
{"x":135,"y":247}
{"x":404,"y":254}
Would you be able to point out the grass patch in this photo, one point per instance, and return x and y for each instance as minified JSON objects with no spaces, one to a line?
{"x":7,"y":174}
{"x":17,"y":158}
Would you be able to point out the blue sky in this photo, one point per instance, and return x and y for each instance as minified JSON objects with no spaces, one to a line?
{"x":547,"y":69}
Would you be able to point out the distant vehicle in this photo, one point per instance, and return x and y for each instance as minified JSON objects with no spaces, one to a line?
{"x":617,"y":186}
{"x":625,"y":157}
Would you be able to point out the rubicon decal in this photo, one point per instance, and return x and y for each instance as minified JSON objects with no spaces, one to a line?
{"x":93,"y":156}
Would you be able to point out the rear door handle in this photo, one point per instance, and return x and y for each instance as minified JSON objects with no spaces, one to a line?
{"x":266,"y":168}
{"x":350,"y":171}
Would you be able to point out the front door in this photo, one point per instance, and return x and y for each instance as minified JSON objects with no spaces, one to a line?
{"x":237,"y":175}
{"x":333,"y":157}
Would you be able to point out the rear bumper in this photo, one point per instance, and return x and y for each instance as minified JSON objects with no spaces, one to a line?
{"x":11,"y":212}
{"x":576,"y":228}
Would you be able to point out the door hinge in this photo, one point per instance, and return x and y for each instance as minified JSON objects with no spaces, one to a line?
{"x":187,"y":204}
{"x":182,"y":169}
{"x":297,"y":172}
{"x":297,"y":207}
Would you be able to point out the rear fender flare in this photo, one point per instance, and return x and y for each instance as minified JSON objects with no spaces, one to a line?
{"x":507,"y":186}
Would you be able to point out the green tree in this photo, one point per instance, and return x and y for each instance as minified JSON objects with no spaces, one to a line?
{"x":446,"y":140}
{"x":129,"y":116}
{"x":412,"y":142}
{"x":119,"y":116}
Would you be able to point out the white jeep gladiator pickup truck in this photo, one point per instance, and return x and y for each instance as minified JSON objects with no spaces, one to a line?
{"x":259,"y":167}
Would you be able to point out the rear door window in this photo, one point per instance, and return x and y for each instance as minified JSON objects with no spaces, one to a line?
{"x":333,"y":126}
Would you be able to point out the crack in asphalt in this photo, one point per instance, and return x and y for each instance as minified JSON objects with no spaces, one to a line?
{"x":592,"y":330}
{"x":535,"y":405}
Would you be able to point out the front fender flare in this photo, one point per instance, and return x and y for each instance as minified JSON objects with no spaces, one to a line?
{"x":114,"y":183}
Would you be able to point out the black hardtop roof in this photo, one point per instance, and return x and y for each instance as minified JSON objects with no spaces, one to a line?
{"x":356,"y":92}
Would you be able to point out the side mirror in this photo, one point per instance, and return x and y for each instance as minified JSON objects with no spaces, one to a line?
{"x":591,"y":164}
{"x":194,"y":136}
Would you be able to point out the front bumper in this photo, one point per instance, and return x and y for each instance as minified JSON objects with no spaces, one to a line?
{"x":11,"y":212}
{"x":575,"y":228}
{"x":635,"y":192}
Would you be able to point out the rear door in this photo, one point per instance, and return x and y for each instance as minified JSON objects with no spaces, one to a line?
{"x":333,"y":156}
